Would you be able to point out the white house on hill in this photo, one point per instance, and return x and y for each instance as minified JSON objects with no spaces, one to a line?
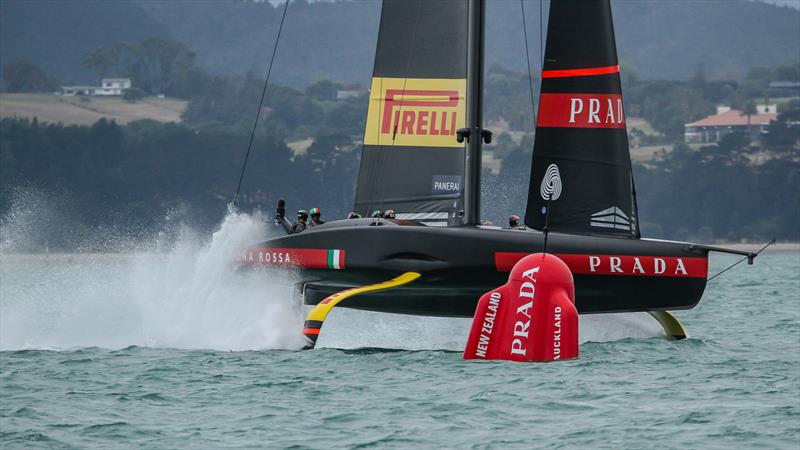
{"x":108,"y":87}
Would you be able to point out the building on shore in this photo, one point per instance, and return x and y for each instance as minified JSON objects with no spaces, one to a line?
{"x":784,"y":89}
{"x":709,"y":130}
{"x":108,"y":87}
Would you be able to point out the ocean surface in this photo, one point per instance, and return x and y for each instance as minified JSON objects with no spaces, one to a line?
{"x":174,"y":350}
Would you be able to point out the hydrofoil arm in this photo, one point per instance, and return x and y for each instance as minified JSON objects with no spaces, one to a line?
{"x":671,"y":325}
{"x":317,"y":315}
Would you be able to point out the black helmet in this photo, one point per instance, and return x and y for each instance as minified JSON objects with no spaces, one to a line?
{"x":302,"y":214}
{"x":513,"y":220}
{"x":354,"y":215}
{"x":389,"y":214}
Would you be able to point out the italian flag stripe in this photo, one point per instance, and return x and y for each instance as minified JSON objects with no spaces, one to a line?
{"x":335,"y":259}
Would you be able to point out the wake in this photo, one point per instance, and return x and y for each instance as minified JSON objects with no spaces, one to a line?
{"x":351,"y":329}
{"x":188,"y":297}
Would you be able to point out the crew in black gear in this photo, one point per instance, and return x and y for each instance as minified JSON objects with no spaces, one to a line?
{"x":301,"y":224}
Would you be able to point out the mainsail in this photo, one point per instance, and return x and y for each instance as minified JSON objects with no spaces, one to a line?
{"x":581,"y":162}
{"x":411,"y":161}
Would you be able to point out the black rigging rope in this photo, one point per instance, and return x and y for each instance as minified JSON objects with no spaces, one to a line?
{"x":750,"y":257}
{"x":261,"y":103}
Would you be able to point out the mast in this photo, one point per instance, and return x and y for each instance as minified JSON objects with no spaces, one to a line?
{"x":474,"y":133}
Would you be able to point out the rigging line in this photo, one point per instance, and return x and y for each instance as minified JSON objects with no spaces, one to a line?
{"x":743,"y":259}
{"x":528,"y":57}
{"x":408,"y":67}
{"x":541,"y":38}
{"x":260,"y":103}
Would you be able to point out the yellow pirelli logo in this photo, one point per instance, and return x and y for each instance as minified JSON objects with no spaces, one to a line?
{"x":415,"y":112}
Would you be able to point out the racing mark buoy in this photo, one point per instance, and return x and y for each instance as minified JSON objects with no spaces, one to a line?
{"x":530,"y":318}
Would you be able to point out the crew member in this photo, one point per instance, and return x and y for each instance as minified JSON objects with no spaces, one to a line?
{"x":513,"y":221}
{"x":354,"y":215}
{"x":377,"y":214}
{"x":300,"y":225}
{"x":389,"y":214}
{"x":316,"y":217}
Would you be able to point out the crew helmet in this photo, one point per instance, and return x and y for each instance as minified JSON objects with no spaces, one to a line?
{"x":354,"y":215}
{"x":389,"y":214}
{"x":377,"y":214}
{"x":513,"y":220}
{"x":302,"y":214}
{"x":314,"y":212}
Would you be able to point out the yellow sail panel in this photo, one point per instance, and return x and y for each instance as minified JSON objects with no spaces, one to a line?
{"x":416,"y":112}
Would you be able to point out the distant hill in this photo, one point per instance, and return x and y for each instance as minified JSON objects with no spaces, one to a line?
{"x":88,"y":110}
{"x":660,"y":39}
{"x":54,"y":34}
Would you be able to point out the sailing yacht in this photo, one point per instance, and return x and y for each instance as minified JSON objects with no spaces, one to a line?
{"x":422,"y":158}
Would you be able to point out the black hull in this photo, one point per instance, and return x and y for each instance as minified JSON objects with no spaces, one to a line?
{"x":459,"y":264}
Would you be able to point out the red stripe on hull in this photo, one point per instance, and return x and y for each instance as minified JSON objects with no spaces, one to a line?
{"x":620,"y":265}
{"x":288,"y":257}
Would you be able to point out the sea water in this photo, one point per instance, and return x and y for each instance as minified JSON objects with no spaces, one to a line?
{"x":175,"y":349}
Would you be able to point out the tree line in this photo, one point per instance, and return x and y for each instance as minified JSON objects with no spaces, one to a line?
{"x":139,"y":175}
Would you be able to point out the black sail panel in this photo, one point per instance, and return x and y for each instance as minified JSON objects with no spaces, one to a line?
{"x":411,"y":161}
{"x":581,"y":160}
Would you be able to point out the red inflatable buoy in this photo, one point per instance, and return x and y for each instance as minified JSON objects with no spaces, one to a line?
{"x":530,"y":318}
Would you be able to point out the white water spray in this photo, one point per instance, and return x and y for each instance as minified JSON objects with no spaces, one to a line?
{"x":190,"y":297}
{"x":193,"y":298}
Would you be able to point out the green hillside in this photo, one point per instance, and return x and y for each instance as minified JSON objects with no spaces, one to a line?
{"x":88,"y":110}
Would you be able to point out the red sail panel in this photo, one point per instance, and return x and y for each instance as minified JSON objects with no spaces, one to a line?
{"x":581,"y":111}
